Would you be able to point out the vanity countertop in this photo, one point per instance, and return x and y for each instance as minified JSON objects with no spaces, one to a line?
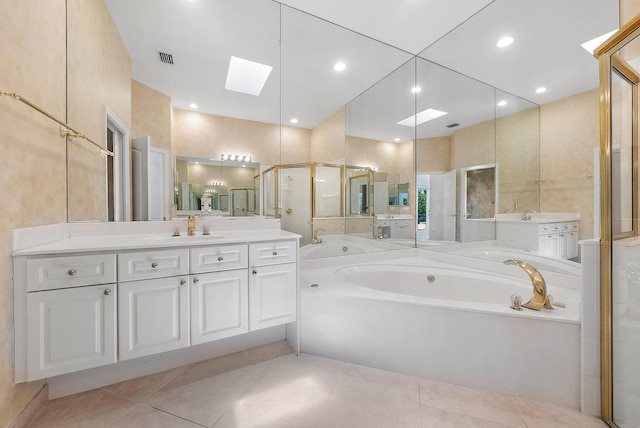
{"x":125,"y":239}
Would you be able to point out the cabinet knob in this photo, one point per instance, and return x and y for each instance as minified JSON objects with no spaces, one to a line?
{"x":275,"y":253}
{"x":183,"y":281}
{"x":220,"y":258}
{"x":154,"y":265}
{"x":107,"y":292}
{"x":71,"y":272}
{"x":254,"y":272}
{"x":196,"y":280}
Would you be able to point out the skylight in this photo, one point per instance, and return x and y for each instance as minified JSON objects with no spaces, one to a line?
{"x":422,"y":117}
{"x":246,"y":76}
{"x":592,"y":44}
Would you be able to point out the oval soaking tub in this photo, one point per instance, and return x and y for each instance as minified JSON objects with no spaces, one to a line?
{"x":444,"y":322}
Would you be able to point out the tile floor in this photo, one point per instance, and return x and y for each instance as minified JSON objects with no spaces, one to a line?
{"x":269,"y":386}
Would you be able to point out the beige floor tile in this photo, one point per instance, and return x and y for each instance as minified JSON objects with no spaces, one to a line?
{"x":139,"y":389}
{"x":544,"y":415}
{"x":291,"y":394}
{"x":237,"y":360}
{"x":203,"y":401}
{"x":142,"y":416}
{"x":354,"y":408}
{"x":438,"y":418}
{"x":380,"y":381}
{"x":97,"y":408}
{"x":471,"y":402}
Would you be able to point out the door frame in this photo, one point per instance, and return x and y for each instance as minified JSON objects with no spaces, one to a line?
{"x":121,"y":167}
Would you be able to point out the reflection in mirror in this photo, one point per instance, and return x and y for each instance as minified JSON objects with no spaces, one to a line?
{"x":517,"y":154}
{"x":480,"y":192}
{"x":380,"y":127}
{"x":215,"y":187}
{"x":458,"y":134}
{"x":359,"y":194}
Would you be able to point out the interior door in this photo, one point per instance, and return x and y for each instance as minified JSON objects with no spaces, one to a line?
{"x":450,"y":214}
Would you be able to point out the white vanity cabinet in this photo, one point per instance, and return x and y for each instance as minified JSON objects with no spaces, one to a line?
{"x":272,"y":283}
{"x":153,"y":302}
{"x":83,"y":304}
{"x":395,"y":228}
{"x":68,"y":317}
{"x":219,"y":292}
{"x":557,"y":239}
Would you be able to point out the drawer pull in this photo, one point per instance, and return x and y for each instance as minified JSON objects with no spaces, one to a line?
{"x":154,"y":265}
{"x":107,"y":292}
{"x":275,"y":253}
{"x":72,"y":272}
{"x":220,"y":258}
{"x":183,"y":281}
{"x":255,"y":272}
{"x":196,"y":280}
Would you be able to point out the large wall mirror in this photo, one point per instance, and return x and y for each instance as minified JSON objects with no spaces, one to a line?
{"x":409,"y":136}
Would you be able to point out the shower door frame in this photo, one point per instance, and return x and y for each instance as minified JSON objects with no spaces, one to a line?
{"x":609,"y":61}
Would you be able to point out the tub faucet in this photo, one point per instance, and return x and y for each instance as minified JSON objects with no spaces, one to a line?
{"x":539,"y":297}
{"x":526,"y":216}
{"x":315,"y":239}
{"x":191,"y":225}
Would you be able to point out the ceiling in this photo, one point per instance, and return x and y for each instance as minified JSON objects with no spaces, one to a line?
{"x":302,"y":39}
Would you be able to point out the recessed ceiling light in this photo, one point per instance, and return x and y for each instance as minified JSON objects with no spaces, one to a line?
{"x":502,"y":103}
{"x":592,"y":44}
{"x":340,"y":66}
{"x":422,"y":117}
{"x":246,"y":76}
{"x":504,"y":42}
{"x":294,"y":120}
{"x":416,"y":89}
{"x":541,"y":89}
{"x":193,"y":105}
{"x":396,"y":139}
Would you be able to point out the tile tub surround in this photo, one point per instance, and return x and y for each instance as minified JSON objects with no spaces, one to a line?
{"x":590,"y":332}
{"x":289,"y":391}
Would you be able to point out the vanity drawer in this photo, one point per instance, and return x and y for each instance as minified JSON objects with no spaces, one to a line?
{"x":152,"y":264}
{"x":50,"y":273}
{"x":222,"y":257}
{"x":273,"y":252}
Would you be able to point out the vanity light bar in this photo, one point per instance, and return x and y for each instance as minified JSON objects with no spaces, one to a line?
{"x":239,"y":158}
{"x":215,"y":183}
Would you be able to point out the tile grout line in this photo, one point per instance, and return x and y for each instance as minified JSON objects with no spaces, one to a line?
{"x":249,"y":384}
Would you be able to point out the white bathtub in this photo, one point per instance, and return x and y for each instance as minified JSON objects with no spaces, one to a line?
{"x":343,"y":245}
{"x":459,"y":328}
{"x":540,"y":262}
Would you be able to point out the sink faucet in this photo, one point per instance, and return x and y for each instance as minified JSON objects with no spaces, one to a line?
{"x":539,"y":298}
{"x":315,"y":239}
{"x":526,"y":216}
{"x":191,"y":225}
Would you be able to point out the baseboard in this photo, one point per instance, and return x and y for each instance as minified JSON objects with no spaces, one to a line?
{"x":29,"y":413}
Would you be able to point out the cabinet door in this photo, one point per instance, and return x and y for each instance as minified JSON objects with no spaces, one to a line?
{"x":272,"y":295}
{"x":554,"y":245}
{"x":153,"y":316}
{"x":543,"y":245}
{"x":219,"y":305}
{"x":70,"y":329}
{"x":564,"y":245}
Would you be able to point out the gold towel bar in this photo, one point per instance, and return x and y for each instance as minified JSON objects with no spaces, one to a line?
{"x":580,"y":177}
{"x":64,"y":128}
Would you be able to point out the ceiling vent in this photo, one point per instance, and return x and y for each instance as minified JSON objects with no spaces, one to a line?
{"x":166,"y":58}
{"x":453,"y":125}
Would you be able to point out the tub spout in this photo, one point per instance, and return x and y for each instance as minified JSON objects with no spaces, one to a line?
{"x":539,"y":296}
